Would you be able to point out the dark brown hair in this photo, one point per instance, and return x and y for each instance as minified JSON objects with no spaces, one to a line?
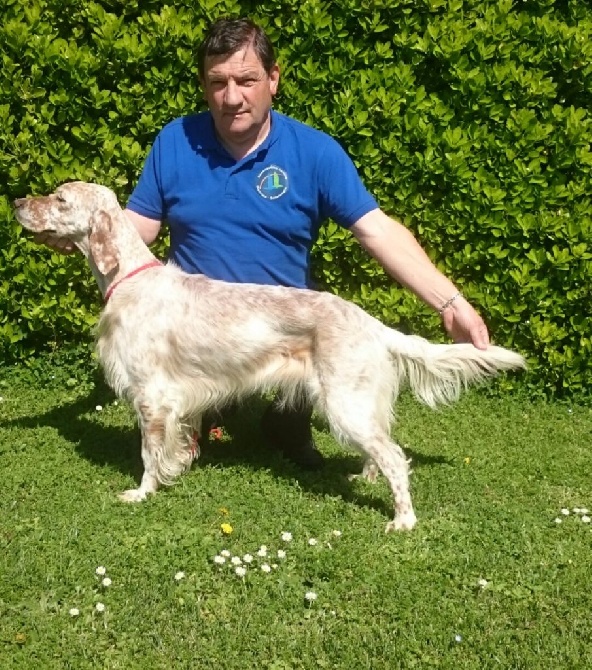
{"x":227,"y":36}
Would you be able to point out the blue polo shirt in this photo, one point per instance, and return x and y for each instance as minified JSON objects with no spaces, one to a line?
{"x":256,"y":219}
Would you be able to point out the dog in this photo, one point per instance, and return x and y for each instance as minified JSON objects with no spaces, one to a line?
{"x":177,"y":345}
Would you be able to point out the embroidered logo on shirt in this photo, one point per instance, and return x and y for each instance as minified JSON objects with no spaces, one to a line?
{"x":272,"y":183}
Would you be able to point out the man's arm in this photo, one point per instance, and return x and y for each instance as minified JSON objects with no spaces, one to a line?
{"x":399,"y":253}
{"x":148,"y":228}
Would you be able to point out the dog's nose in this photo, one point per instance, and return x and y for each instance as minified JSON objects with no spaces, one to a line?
{"x":19,"y":202}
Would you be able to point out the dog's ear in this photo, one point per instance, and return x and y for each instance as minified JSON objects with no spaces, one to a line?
{"x":102,"y":247}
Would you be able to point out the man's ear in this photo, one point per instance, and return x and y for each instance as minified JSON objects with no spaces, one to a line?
{"x":102,"y":248}
{"x":274,"y":79}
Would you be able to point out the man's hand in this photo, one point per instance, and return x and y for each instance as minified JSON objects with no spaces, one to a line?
{"x":62,"y":246}
{"x":463,"y":324}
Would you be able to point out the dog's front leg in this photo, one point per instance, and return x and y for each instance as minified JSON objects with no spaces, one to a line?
{"x":151,"y":440}
{"x":168,"y":446}
{"x":193,"y":437}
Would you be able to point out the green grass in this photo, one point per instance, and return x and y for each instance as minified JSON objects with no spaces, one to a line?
{"x":490,"y":477}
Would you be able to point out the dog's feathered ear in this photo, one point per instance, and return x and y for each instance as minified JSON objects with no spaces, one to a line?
{"x":102,"y":248}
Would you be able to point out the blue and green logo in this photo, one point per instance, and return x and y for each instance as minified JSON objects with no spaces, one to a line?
{"x":272,"y":182}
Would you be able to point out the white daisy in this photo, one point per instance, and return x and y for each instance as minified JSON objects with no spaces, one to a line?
{"x":74,"y":611}
{"x":482,"y":583}
{"x":281,"y":553}
{"x":100,"y":570}
{"x":99,"y":408}
{"x":337,"y":533}
{"x":585,"y":519}
{"x":312,"y":542}
{"x":247,"y":558}
{"x":106,"y":581}
{"x":287,"y":537}
{"x":265,"y":568}
{"x":225,"y":553}
{"x":262,"y":551}
{"x":100,"y":607}
{"x":241,"y":571}
{"x":565,"y":512}
{"x":558,"y":520}
{"x":311,"y":596}
{"x":236,"y":560}
{"x":179,"y":576}
{"x":219,"y":560}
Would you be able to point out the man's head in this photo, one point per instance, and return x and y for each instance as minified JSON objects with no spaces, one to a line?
{"x":227,"y":36}
{"x":239,"y":76}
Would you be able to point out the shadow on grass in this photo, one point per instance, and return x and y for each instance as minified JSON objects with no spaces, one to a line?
{"x":116,"y":446}
{"x":119,"y":447}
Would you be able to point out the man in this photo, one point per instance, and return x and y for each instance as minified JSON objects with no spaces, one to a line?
{"x":245,"y":189}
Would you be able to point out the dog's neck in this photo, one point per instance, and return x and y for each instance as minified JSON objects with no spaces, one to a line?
{"x":131,"y":253}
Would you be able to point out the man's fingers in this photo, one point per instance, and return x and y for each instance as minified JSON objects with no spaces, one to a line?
{"x":480,"y":337}
{"x":57,"y":244}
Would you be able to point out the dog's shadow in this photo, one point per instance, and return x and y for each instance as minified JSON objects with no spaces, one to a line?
{"x":118,"y":447}
{"x":243,"y":444}
{"x":78,"y":422}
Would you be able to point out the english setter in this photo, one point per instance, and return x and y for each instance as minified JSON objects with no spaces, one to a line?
{"x":176,"y":345}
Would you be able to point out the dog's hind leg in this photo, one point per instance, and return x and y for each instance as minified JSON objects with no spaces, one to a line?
{"x":390,"y":460}
{"x":369,"y":472}
{"x":354,"y":421}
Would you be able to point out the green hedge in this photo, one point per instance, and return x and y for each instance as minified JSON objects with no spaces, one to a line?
{"x":467,"y":119}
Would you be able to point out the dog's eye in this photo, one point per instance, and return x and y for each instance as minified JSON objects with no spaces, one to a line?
{"x":60,"y":198}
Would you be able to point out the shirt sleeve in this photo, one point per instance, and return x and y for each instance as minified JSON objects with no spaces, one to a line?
{"x":344,"y":198}
{"x":146,"y":198}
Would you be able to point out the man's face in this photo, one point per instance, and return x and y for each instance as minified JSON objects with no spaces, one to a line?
{"x":239,"y":93}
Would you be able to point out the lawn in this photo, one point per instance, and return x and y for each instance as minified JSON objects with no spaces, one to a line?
{"x":495,"y":575}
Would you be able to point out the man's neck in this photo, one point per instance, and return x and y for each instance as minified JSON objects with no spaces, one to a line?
{"x":240,"y":148}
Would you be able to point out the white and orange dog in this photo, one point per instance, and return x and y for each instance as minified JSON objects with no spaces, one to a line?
{"x":177,"y":345}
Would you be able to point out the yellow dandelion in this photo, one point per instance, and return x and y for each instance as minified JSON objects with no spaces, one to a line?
{"x":467,"y":460}
{"x":224,"y":511}
{"x":226,"y":528}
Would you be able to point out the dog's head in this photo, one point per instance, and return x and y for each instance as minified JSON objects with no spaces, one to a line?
{"x":77,"y":211}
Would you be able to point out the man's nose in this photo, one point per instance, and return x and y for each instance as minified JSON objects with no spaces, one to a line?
{"x":232,"y":95}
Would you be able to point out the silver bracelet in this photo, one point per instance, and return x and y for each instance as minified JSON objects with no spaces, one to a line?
{"x":449,"y":302}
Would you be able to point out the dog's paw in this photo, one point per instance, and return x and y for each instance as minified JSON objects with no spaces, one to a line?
{"x":370,"y":475}
{"x":133,"y":496}
{"x":401,"y":522}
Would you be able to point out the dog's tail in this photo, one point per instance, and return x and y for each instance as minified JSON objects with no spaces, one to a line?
{"x":437,"y":373}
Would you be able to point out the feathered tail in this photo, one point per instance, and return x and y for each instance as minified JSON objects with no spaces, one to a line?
{"x":437,"y":373}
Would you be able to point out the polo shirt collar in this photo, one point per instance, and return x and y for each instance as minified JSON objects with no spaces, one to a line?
{"x":213,"y":143}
